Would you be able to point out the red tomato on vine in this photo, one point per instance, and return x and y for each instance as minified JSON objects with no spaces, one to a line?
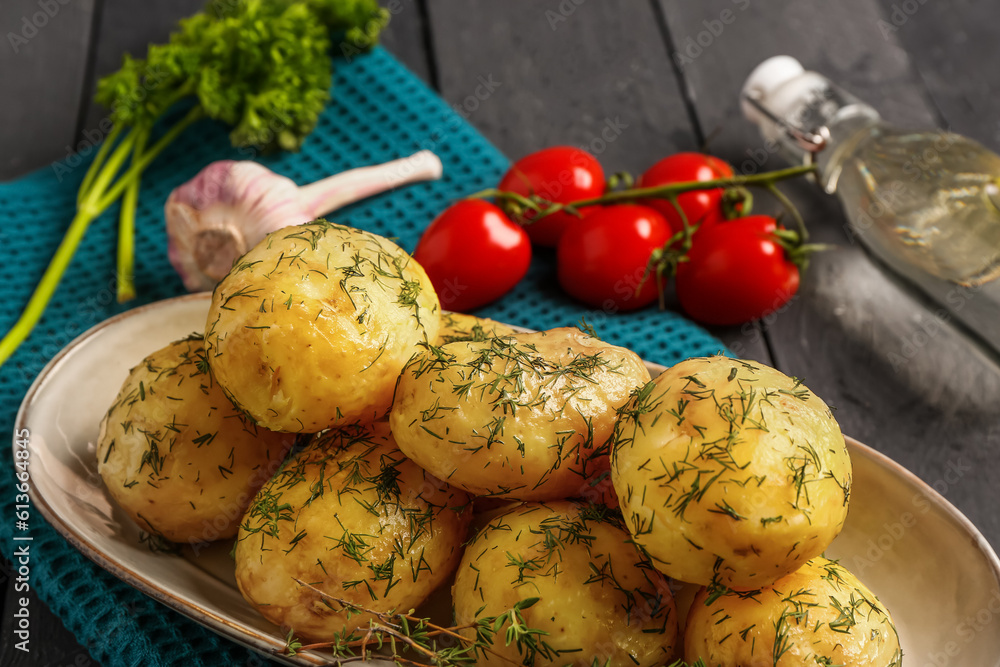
{"x":737,"y":271}
{"x":559,"y":174}
{"x":602,"y":259}
{"x":473,"y":254}
{"x":702,"y":207}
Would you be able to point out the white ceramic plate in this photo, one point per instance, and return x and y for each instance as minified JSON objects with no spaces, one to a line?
{"x":926,"y":561}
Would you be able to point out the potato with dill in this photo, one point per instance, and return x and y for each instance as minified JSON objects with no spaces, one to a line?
{"x":176,"y":454}
{"x":457,"y":327}
{"x":730,"y":473}
{"x":347,"y":522}
{"x":818,"y":615}
{"x":520,"y":417}
{"x":310,"y":328}
{"x":573,"y":574}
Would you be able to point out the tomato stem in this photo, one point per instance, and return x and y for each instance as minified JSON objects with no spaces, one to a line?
{"x":620,"y":179}
{"x":664,"y":191}
{"x":516,"y":204}
{"x":663,"y":261}
{"x":787,"y":204}
{"x":543,"y":207}
{"x":737,"y":203}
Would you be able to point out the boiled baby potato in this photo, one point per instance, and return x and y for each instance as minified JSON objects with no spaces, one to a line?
{"x":730,"y":473}
{"x":514,"y":416}
{"x":457,"y":327}
{"x":818,"y":615}
{"x":597,"y":599}
{"x":311,"y":327}
{"x":348,"y":520}
{"x":176,"y":454}
{"x":598,"y":487}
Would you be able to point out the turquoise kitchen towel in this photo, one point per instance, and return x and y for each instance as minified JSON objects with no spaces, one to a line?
{"x":380,"y":111}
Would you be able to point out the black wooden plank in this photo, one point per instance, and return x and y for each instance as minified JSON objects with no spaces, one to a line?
{"x":594,"y":75}
{"x":952,"y":46}
{"x":42,"y":42}
{"x":905,"y":382}
{"x":564,"y":73}
{"x":42,"y":70}
{"x":125,"y":28}
{"x":49,"y":643}
{"x":121,"y":29}
{"x":406,"y":37}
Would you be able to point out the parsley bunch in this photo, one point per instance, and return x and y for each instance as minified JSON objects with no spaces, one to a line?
{"x":260,"y":66}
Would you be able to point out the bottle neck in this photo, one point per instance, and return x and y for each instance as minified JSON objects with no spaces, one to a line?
{"x":843,"y":136}
{"x":810,"y":120}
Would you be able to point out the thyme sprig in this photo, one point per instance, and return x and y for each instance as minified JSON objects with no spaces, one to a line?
{"x":408,"y":639}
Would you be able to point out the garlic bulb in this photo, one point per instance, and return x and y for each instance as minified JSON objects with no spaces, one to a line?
{"x":230,"y":206}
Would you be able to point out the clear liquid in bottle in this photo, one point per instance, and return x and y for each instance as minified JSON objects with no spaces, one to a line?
{"x":925,"y":200}
{"x":924,"y":203}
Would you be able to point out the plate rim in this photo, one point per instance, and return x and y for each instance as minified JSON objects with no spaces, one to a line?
{"x":247,"y":637}
{"x":268,"y":644}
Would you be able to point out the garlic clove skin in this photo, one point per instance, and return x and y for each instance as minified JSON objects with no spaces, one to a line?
{"x":341,"y":189}
{"x":226,"y":209}
{"x":230,"y":206}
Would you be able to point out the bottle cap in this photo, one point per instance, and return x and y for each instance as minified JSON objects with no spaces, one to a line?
{"x":765,"y":79}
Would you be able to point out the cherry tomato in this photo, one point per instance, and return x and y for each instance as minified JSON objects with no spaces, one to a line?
{"x":700,"y":206}
{"x":736,"y":272}
{"x":602,"y":258}
{"x":559,"y":174}
{"x":473,"y":254}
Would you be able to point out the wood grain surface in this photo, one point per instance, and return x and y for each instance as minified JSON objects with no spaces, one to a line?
{"x":40,"y":123}
{"x":903,"y":381}
{"x":633,"y":81}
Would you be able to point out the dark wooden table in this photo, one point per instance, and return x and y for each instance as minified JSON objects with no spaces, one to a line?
{"x":666,"y":74}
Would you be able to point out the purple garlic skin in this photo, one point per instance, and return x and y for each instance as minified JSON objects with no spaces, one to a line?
{"x":225,"y":210}
{"x":229,"y":207}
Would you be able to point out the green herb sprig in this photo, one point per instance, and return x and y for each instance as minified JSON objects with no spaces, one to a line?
{"x":260,"y":66}
{"x":408,"y":639}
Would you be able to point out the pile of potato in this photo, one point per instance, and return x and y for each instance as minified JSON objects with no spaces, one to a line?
{"x":517,"y":467}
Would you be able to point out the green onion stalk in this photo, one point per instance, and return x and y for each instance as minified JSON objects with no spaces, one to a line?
{"x":260,"y":66}
{"x":97,"y":193}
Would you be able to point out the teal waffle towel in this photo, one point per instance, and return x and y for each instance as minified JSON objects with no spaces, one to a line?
{"x":380,"y":111}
